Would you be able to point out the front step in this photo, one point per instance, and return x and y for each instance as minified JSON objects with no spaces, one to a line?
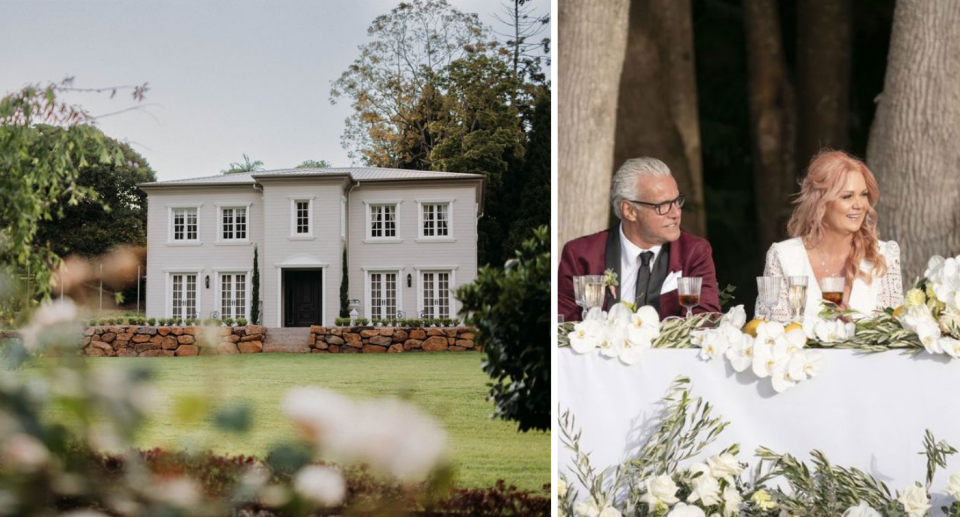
{"x":291,"y":340}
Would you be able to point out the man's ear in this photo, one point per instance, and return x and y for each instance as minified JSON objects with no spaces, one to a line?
{"x":628,"y":210}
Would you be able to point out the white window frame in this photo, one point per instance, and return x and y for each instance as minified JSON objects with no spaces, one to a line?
{"x":367,"y":287}
{"x":168,"y":290}
{"x":294,"y":236}
{"x":218,"y":274}
{"x":454,"y":308}
{"x":184,"y":242}
{"x":368,"y":229}
{"x":449,"y":237}
{"x":232,"y":242}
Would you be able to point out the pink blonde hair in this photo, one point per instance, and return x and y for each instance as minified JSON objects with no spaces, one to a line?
{"x":823,"y":183}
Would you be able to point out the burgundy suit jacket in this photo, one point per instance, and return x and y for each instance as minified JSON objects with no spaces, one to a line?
{"x":589,"y":256}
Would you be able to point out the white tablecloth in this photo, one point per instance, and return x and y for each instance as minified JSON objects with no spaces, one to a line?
{"x":863,"y":411}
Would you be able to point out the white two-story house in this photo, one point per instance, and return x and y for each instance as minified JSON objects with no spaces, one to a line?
{"x":410,"y":237}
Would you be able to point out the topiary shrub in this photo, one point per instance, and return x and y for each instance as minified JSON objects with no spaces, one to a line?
{"x":510,"y":308}
{"x":152,"y":322}
{"x":242,"y":322}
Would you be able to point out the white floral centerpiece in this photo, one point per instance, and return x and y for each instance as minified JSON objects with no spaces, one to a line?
{"x":620,"y":333}
{"x":932,"y":308}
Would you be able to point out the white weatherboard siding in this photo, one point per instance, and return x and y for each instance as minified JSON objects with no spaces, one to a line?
{"x":285,"y":250}
{"x":409,"y":253}
{"x":206,"y":257}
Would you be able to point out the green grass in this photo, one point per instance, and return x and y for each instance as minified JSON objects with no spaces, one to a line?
{"x":449,"y":386}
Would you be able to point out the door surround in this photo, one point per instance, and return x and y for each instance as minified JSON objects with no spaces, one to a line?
{"x":302,"y":262}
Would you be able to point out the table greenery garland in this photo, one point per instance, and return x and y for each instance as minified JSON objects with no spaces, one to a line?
{"x":659,"y":480}
{"x":928,"y":321}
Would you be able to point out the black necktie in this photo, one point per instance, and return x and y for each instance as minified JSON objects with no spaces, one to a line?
{"x":643,"y":278}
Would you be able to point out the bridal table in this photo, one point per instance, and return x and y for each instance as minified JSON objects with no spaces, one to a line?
{"x":867,"y":411}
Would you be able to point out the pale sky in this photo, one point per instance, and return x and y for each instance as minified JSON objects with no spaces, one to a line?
{"x":225,"y":77}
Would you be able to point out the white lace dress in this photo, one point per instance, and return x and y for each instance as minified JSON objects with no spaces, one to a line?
{"x":789,"y":258}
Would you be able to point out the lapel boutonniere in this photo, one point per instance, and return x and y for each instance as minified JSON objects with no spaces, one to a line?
{"x":610,"y":280}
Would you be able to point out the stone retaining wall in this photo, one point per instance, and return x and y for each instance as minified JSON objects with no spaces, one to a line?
{"x":141,"y":341}
{"x":371,"y":340}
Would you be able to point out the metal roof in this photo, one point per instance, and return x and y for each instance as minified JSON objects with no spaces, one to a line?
{"x":355,"y":173}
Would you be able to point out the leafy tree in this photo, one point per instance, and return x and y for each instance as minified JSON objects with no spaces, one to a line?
{"x":527,"y":189}
{"x":119,"y":213}
{"x":246,"y":166}
{"x":510,"y":308}
{"x":314,"y":164}
{"x":391,"y":79}
{"x":527,"y":55}
{"x":44,"y":144}
{"x":255,"y":296}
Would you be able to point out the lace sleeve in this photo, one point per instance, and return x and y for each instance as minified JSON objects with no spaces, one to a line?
{"x":891,"y":285}
{"x":781,"y":311}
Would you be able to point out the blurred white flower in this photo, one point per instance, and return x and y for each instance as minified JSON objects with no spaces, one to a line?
{"x":861,"y":510}
{"x":587,"y":508}
{"x":180,"y":491}
{"x":53,"y":323}
{"x":725,"y":466}
{"x":953,"y":486}
{"x":22,"y":452}
{"x":390,"y":435}
{"x":661,"y":491}
{"x":609,"y":511}
{"x":736,"y":317}
{"x":685,"y":510}
{"x":915,"y":501}
{"x":731,"y":501}
{"x":562,"y":488}
{"x":322,"y":485}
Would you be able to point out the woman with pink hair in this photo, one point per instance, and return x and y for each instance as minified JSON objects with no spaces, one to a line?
{"x":834,"y":234}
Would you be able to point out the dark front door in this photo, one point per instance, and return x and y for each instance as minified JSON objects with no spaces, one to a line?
{"x":302,"y":298}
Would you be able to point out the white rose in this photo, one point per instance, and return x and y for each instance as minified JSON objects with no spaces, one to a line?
{"x":915,"y":501}
{"x":684,"y":510}
{"x":737,"y":317}
{"x":322,"y":485}
{"x":731,"y":501}
{"x":861,"y":510}
{"x":562,"y":488}
{"x":953,"y":487}
{"x":704,"y":488}
{"x":660,"y":489}
{"x":610,"y":511}
{"x":586,"y":508}
{"x":725,"y":466}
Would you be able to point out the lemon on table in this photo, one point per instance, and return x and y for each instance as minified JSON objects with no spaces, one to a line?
{"x":793,"y":326}
{"x":751,"y":327}
{"x":898,"y":311}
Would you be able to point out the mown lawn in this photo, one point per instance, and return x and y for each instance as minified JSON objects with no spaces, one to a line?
{"x":449,"y":386}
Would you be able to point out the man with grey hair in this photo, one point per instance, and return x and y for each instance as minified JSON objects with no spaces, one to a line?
{"x":647,"y":251}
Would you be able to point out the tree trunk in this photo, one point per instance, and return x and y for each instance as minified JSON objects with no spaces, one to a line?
{"x":772,"y":119}
{"x":657,"y":112}
{"x":913,"y":147}
{"x":823,"y":76}
{"x":591,"y":50}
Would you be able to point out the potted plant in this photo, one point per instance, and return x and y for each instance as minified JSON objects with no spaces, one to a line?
{"x":242,"y":322}
{"x":228,"y":322}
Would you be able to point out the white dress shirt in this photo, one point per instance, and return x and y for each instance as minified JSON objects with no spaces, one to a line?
{"x":629,"y":264}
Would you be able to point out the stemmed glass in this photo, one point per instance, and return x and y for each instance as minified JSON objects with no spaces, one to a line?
{"x":689,"y":291}
{"x":588,"y":291}
{"x":768,"y":293}
{"x":797,"y":296}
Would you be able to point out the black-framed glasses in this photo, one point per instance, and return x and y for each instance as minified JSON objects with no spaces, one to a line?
{"x":665,"y":207}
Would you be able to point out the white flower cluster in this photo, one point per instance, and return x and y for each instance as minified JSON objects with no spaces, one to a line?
{"x":934,"y":315}
{"x":711,"y":486}
{"x":775,"y":353}
{"x":620,"y":333}
{"x":390,"y":435}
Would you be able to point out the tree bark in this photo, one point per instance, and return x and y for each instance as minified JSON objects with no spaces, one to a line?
{"x":823,"y":76}
{"x":772,"y":119}
{"x":913,"y":148}
{"x":591,"y":50}
{"x":657,"y":113}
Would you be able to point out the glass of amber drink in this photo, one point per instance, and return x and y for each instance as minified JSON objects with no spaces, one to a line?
{"x":689,"y":290}
{"x":832,"y":288}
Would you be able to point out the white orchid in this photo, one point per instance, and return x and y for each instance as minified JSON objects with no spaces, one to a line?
{"x":834,"y":331}
{"x":619,"y":316}
{"x":712,"y":344}
{"x":861,"y":510}
{"x":780,"y":377}
{"x":769,"y":331}
{"x":661,"y":493}
{"x":686,"y":510}
{"x":795,"y":339}
{"x":805,"y":364}
{"x":590,"y":508}
{"x":950,"y":346}
{"x":915,"y":501}
{"x":737,"y":317}
{"x":920,"y":320}
{"x":586,"y":336}
{"x":740,"y":354}
{"x":645,"y":324}
{"x":769,"y":356}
